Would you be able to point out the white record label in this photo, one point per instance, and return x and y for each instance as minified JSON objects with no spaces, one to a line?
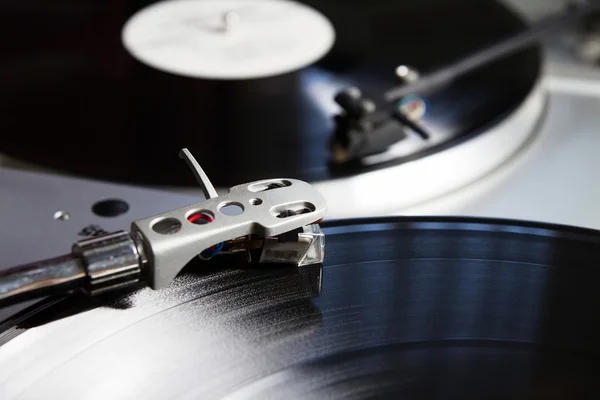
{"x":228,"y":39}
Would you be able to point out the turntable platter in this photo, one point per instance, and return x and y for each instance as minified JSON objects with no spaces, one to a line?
{"x":413,"y":307}
{"x":76,"y":100}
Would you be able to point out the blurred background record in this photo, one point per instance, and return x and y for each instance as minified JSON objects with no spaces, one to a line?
{"x":85,"y":91}
{"x":112,"y":90}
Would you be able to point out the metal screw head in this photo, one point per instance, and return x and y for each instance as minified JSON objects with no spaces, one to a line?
{"x":353,"y":92}
{"x":367,"y":106}
{"x":407,"y":73}
{"x":62,"y":216}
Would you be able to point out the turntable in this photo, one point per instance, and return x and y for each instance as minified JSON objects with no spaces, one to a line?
{"x":413,"y":307}
{"x":420,"y":307}
{"x":122,"y":79}
{"x":88,"y":79}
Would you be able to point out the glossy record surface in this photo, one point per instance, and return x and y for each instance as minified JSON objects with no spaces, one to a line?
{"x":74,"y":99}
{"x":412,"y":308}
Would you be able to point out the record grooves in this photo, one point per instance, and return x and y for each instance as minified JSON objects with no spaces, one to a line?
{"x":420,"y":307}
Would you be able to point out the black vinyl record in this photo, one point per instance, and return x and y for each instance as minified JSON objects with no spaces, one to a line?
{"x":73,"y":99}
{"x":419,"y":308}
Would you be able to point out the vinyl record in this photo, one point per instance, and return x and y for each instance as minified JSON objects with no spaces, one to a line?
{"x":76,"y":100}
{"x":401,"y":308}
